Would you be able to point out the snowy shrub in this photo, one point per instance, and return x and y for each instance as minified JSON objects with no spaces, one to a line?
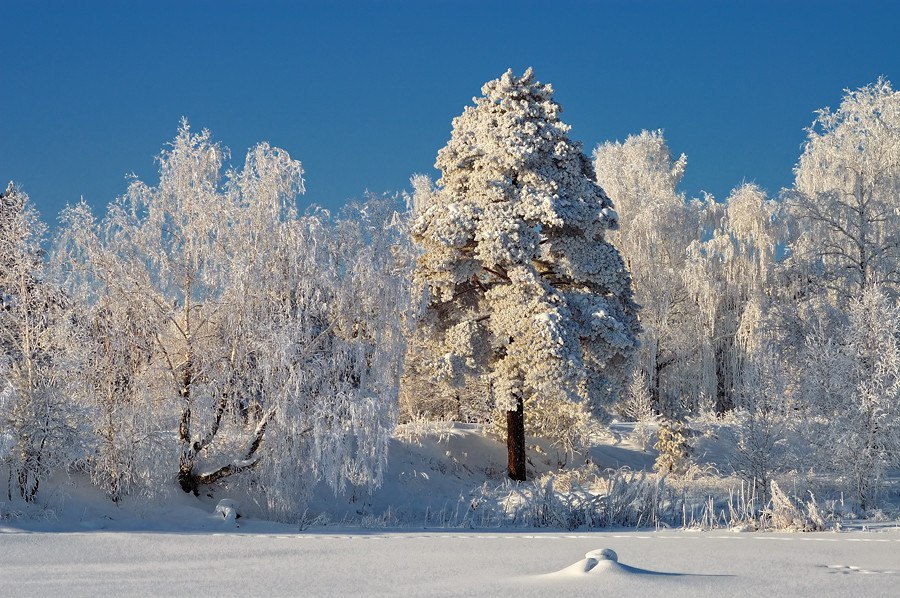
{"x":785,"y":514}
{"x":585,"y":498}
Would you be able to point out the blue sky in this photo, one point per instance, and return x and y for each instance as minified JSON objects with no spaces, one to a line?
{"x":363,"y":92}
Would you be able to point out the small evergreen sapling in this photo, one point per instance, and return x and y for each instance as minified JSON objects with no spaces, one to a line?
{"x":674,"y":449}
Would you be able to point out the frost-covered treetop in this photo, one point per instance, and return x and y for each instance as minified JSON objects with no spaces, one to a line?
{"x":513,"y":140}
{"x":639,"y":171}
{"x":856,"y":148}
{"x":847,"y":192}
{"x":512,"y":180}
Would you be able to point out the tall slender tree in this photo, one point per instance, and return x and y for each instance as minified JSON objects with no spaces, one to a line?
{"x":521,"y":283}
{"x":657,"y":224}
{"x":37,"y":431}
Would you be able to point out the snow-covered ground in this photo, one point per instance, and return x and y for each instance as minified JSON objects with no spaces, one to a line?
{"x":437,"y":563}
{"x":78,"y":543}
{"x":434,"y":468}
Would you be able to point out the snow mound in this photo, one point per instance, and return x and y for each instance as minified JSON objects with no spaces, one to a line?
{"x":229,"y":510}
{"x":604,"y":553}
{"x":603,"y":561}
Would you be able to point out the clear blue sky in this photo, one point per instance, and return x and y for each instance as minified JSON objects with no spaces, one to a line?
{"x":363,"y":92}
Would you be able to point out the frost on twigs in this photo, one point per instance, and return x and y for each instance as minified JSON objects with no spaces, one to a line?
{"x":38,"y":430}
{"x":845,"y":197}
{"x":638,"y":406}
{"x":785,"y":514}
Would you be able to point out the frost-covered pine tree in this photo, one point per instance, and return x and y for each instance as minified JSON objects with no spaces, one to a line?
{"x":521,"y":283}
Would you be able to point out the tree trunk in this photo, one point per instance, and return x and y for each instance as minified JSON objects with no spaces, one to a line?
{"x":190,"y":480}
{"x":515,"y":442}
{"x":724,"y":383}
{"x":186,"y":463}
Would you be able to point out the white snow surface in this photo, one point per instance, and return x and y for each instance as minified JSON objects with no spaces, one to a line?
{"x":437,"y":563}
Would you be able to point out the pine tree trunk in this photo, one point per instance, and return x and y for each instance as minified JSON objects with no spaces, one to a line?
{"x":515,"y":442}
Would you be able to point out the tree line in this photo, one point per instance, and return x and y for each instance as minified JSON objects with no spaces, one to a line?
{"x":204,"y":331}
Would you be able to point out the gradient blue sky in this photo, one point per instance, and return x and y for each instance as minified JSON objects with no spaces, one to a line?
{"x":363,"y":92}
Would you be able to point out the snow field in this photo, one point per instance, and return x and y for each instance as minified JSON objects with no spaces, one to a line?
{"x":445,"y":564}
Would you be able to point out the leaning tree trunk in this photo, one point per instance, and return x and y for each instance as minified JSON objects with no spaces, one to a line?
{"x":515,"y":442}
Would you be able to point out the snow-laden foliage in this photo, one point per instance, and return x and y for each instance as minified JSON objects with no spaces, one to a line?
{"x":763,"y":422}
{"x":729,"y":275}
{"x":657,"y":224}
{"x":851,"y":389}
{"x":37,"y":432}
{"x":519,"y":279}
{"x":226,"y":333}
{"x":846,"y":197}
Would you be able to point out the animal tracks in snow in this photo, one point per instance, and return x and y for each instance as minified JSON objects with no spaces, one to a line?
{"x":850,"y":569}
